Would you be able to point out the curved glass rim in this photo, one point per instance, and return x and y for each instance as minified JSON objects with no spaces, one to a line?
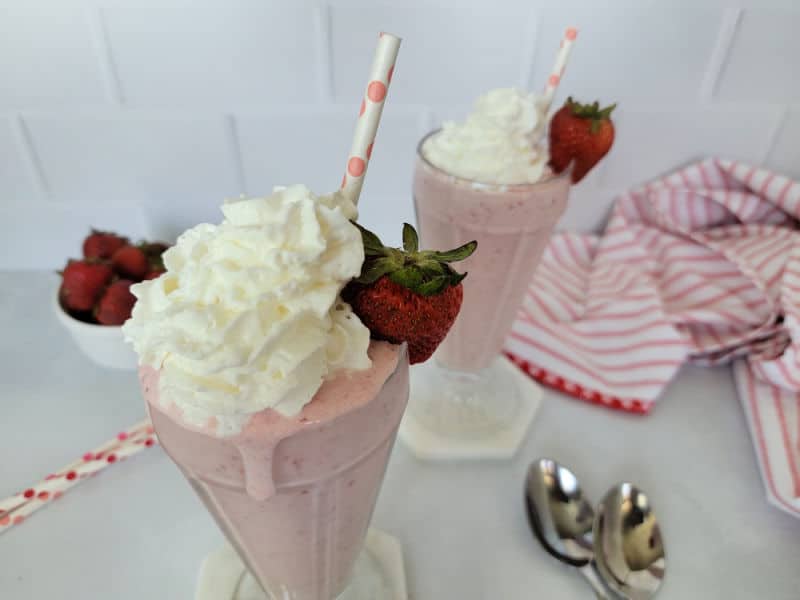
{"x":487,"y":184}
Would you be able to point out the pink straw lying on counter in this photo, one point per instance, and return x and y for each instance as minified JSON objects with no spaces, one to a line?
{"x":17,"y":508}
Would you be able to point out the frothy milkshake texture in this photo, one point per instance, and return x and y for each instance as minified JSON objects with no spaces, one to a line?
{"x":248,"y":315}
{"x":499,"y":143}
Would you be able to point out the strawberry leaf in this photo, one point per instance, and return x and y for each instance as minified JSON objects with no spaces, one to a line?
{"x":456,"y":254}
{"x":375,"y":269}
{"x":456,"y":278}
{"x":431,"y":267}
{"x":606,"y":112}
{"x":423,"y":272}
{"x":410,"y":239}
{"x":410,"y":277}
{"x":372,"y":243}
{"x":433,"y":286}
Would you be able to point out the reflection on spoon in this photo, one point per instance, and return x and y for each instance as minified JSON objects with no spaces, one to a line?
{"x":628,"y":546}
{"x":561,"y":517}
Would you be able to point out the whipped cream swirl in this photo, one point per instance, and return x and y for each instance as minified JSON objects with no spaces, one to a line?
{"x":498,"y":143}
{"x":248,"y":314}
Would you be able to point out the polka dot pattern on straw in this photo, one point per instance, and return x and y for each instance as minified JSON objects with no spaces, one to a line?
{"x":570,"y":35}
{"x":369,"y":114}
{"x":16,"y":509}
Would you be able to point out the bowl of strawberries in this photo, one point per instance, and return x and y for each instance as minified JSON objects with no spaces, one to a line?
{"x":94,"y":297}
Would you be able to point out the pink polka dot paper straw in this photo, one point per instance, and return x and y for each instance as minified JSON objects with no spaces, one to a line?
{"x":16,"y":509}
{"x":369,"y":115}
{"x":558,"y":69}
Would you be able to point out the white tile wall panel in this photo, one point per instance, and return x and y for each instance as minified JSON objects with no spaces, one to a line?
{"x":650,"y":143}
{"x":295,"y":145}
{"x":628,"y":50}
{"x":47,"y":55}
{"x":785,"y":153}
{"x":45,"y":234}
{"x":16,"y":183}
{"x":303,"y":145}
{"x":762,"y":64}
{"x":693,"y":78}
{"x":449,"y":54}
{"x":156,"y":159}
{"x":204,"y":53}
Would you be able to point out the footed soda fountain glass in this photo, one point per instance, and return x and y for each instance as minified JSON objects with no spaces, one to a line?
{"x":294,"y":496}
{"x":470,"y":402}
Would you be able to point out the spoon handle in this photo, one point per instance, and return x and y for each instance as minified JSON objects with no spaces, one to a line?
{"x":590,"y":573}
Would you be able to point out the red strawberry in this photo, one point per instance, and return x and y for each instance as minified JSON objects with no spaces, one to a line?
{"x":581,"y":134}
{"x":154,"y":249}
{"x":408,"y":295}
{"x":131,"y":262}
{"x":102,"y":244}
{"x":82,"y":283}
{"x":153,"y":274}
{"x":116,"y":303}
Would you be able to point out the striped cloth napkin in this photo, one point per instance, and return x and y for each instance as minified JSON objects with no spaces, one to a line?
{"x":702,"y":266}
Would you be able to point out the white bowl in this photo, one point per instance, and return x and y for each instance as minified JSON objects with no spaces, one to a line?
{"x":103,"y":344}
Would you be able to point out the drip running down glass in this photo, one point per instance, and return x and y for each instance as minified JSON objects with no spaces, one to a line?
{"x":301,"y":539}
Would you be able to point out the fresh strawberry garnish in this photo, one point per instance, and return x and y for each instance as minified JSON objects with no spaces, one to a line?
{"x":102,"y":244}
{"x":116,"y":304}
{"x":581,"y":134}
{"x":153,"y":274}
{"x":153,"y":249}
{"x":408,"y":295}
{"x":82,"y":284}
{"x":131,"y":262}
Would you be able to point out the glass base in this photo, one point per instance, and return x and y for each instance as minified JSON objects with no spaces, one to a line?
{"x":453,"y":414}
{"x":378,"y":575}
{"x":462,"y":405}
{"x":368,"y":583}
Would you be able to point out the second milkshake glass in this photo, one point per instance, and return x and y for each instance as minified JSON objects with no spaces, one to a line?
{"x":469,"y":393}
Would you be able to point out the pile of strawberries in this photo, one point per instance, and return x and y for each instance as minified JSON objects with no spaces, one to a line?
{"x":96,"y":288}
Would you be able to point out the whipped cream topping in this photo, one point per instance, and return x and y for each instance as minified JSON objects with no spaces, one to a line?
{"x":248,"y":314}
{"x":498,"y":143}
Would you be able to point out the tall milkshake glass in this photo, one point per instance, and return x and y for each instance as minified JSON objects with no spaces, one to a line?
{"x":294,"y":496}
{"x":267,"y":390}
{"x":486,"y":178}
{"x":469,"y":393}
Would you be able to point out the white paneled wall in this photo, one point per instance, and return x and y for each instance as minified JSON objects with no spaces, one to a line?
{"x":142,"y":115}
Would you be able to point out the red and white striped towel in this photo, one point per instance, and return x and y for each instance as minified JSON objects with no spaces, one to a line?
{"x":702,"y":265}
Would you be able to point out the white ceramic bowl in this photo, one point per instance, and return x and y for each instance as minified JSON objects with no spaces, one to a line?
{"x":103,"y":344}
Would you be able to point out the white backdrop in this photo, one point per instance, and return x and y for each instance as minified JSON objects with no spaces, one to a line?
{"x":141,"y":116}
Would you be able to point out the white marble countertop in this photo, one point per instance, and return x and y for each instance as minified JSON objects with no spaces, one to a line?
{"x":137,"y":531}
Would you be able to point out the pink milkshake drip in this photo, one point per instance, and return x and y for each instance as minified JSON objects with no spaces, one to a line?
{"x":294,"y":495}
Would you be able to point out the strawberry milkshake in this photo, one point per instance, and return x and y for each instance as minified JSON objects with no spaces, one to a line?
{"x":266,"y":389}
{"x":485,"y":179}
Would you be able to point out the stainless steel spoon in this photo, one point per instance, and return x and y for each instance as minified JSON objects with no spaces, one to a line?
{"x":628,"y":547}
{"x":561,"y":518}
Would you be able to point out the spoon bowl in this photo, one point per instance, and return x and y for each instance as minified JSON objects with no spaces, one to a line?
{"x":629,"y":549}
{"x":558,"y":512}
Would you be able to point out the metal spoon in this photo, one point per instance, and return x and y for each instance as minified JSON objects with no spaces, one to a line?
{"x":561,"y":518}
{"x":628,"y":545}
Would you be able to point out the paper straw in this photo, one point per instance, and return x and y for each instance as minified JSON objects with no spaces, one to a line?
{"x":558,"y":69}
{"x":369,"y":115}
{"x":14,"y":510}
